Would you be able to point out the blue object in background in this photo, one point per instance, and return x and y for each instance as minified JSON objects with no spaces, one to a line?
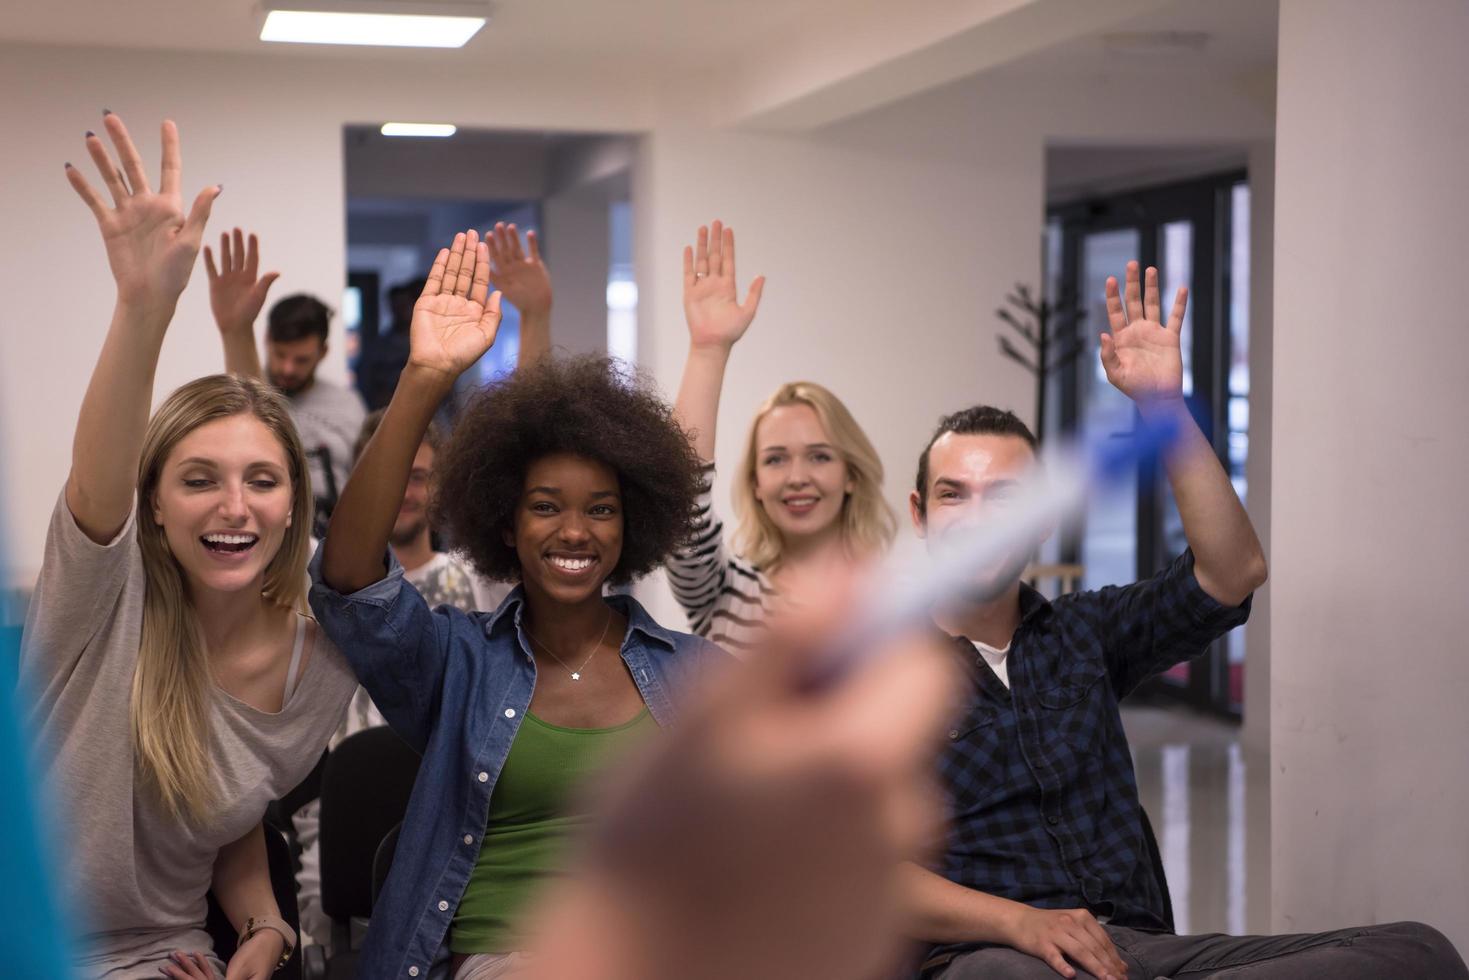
{"x":34,"y":936}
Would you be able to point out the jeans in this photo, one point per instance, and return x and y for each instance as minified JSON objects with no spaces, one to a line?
{"x":1385,"y":952}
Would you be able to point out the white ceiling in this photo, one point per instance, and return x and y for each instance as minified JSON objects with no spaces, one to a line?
{"x":1240,"y":37}
{"x":675,"y":33}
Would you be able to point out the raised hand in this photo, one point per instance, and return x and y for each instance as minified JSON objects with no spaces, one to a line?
{"x":151,"y":245}
{"x":519,"y":274}
{"x":454,"y":323}
{"x":1143,"y":358}
{"x":236,"y":289}
{"x":711,"y":303}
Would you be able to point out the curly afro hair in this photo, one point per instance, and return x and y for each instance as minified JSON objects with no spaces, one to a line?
{"x":587,"y":406}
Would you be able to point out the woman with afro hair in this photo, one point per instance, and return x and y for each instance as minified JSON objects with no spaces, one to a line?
{"x":561,"y":479}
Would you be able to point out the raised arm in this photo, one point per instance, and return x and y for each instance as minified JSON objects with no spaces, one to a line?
{"x":236,"y":294}
{"x":454,"y":323}
{"x":523,"y":279}
{"x":717,"y":320}
{"x":151,"y":247}
{"x":1143,"y":359}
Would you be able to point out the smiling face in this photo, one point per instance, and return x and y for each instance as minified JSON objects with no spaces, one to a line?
{"x":224,"y":500}
{"x":568,"y":527}
{"x":412,"y":519}
{"x":973,"y":478}
{"x":800,"y":479}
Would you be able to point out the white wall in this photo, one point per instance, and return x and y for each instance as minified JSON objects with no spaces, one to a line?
{"x":1370,"y":463}
{"x":578,"y":251}
{"x":270,"y":129}
{"x":883,"y":267}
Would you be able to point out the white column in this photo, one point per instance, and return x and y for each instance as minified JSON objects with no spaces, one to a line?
{"x":1370,"y":468}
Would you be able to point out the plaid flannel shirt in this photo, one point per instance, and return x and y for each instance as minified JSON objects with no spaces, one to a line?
{"x":1044,"y":804}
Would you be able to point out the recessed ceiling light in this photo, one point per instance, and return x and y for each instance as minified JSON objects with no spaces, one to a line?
{"x":418,"y":129}
{"x":426,"y":27}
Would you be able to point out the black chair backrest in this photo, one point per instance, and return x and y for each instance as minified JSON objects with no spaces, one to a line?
{"x":382,"y":863}
{"x":1156,"y":859}
{"x":364,"y":793}
{"x":283,"y":883}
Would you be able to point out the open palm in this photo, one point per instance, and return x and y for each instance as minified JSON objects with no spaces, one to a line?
{"x":519,"y":273}
{"x":711,"y":304}
{"x":1142,"y":357}
{"x":151,"y":244}
{"x":454,"y":322}
{"x":236,"y":288}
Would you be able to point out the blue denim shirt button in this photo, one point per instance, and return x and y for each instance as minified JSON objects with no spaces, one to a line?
{"x":509,"y":712}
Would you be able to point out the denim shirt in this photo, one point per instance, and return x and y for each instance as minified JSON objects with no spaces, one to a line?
{"x":455,"y":686}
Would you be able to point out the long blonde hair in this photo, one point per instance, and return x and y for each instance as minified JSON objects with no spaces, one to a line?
{"x":172,"y":683}
{"x":868,"y":523}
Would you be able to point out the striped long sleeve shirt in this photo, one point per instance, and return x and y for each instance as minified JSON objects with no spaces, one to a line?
{"x":726,"y":598}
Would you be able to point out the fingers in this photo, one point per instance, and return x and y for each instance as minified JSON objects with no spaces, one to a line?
{"x":456,"y":259}
{"x":716,"y":249}
{"x":513,"y":233}
{"x":495,"y":242}
{"x":1110,"y":360}
{"x":110,"y":176}
{"x":1116,"y":318}
{"x":489,"y":321}
{"x":1115,"y":965}
{"x":727,"y":251}
{"x":252,"y":258}
{"x":209,"y":264}
{"x":86,"y":192}
{"x":433,"y":285}
{"x":199,"y":213}
{"x":1057,"y":962}
{"x":227,"y":251}
{"x":1152,"y":308}
{"x":262,"y":286}
{"x":1084,"y":950}
{"x":188,"y":966}
{"x":239,"y":243}
{"x":171,"y":173}
{"x":534,"y":244}
{"x":1180,"y":306}
{"x":465,"y":278}
{"x":701,"y":254}
{"x":480,"y":283}
{"x":688,"y":267}
{"x":752,"y":298}
{"x":127,"y":153}
{"x":1133,"y":294}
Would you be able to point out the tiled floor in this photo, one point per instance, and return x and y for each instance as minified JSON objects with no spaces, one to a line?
{"x":1209,"y":801}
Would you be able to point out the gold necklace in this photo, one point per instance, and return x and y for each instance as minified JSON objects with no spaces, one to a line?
{"x":575,"y":674}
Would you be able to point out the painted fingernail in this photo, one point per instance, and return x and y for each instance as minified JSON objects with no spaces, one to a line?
{"x":66,"y":165}
{"x":106,"y":112}
{"x":90,"y":134}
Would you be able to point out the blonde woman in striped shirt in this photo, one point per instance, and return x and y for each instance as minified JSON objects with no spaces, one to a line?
{"x":808,"y":494}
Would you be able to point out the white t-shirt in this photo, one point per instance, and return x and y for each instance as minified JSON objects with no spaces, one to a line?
{"x":996,"y":659}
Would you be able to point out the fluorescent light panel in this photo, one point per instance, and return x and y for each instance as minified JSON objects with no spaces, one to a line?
{"x":418,"y":129}
{"x":386,"y":30}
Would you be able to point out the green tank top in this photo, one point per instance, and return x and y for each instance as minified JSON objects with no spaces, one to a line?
{"x":534,"y":811}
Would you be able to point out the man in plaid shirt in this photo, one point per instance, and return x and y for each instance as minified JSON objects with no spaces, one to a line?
{"x":1046,"y":871}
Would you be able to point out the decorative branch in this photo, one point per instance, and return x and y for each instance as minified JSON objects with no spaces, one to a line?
{"x":1052,"y":332}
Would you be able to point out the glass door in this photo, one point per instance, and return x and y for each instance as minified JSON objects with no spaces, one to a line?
{"x":1196,"y":234}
